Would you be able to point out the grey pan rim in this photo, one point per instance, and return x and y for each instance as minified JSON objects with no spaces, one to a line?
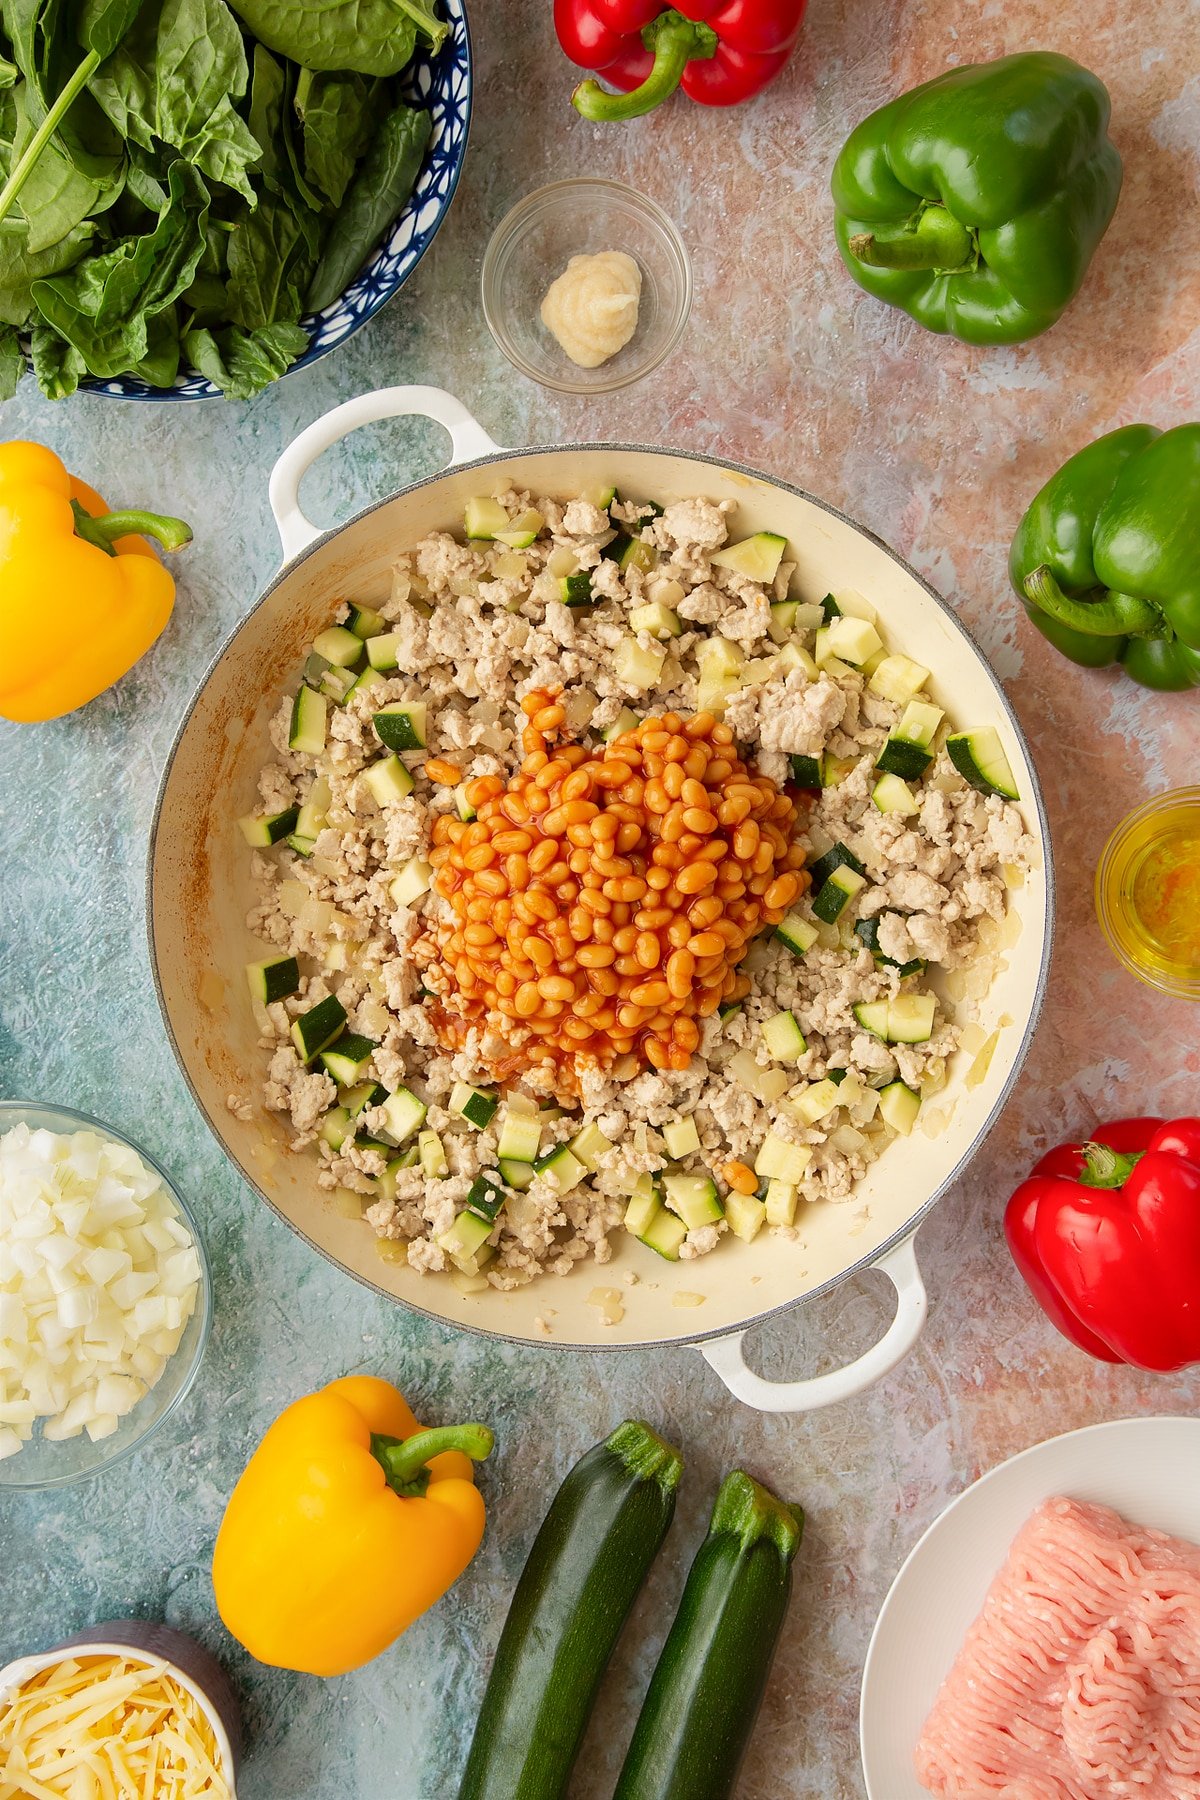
{"x":913,"y":1223}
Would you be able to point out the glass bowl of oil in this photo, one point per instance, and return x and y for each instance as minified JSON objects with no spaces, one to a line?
{"x":1148,"y":892}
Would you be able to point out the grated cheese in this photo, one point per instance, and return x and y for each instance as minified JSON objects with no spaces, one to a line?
{"x":107,"y":1728}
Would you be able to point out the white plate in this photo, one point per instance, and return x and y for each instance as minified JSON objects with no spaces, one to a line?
{"x":1146,"y":1469}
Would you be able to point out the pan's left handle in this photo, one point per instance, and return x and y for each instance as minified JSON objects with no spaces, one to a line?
{"x":725,"y":1357}
{"x":468,"y":440}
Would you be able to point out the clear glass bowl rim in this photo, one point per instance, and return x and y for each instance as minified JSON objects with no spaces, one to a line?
{"x":543,"y":199}
{"x":14,"y":1112}
{"x":1170,"y":798}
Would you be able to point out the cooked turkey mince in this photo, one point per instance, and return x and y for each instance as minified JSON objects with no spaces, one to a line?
{"x":604,"y":881}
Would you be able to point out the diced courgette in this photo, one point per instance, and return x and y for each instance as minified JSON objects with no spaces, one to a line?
{"x":637,"y":666}
{"x":403,"y":1114}
{"x":261,"y":830}
{"x":758,"y":557}
{"x":310,"y":717}
{"x":783,"y":1037}
{"x":576,"y":589}
{"x":979,"y":757}
{"x":898,"y":678}
{"x":840,"y":856}
{"x":476,"y":1105}
{"x":624,"y":721}
{"x":387,"y":781}
{"x":808,"y":771}
{"x":347,"y":1062}
{"x":465,"y":1238}
{"x":799,"y":934}
{"x":656,"y":620}
{"x":664,"y":1234}
{"x":486,"y":1197}
{"x":814,"y":1102}
{"x":561,"y":1169}
{"x":590,"y":1147}
{"x":383,"y":652}
{"x":836,"y":893}
{"x":316,"y":1029}
{"x":779,"y":1201}
{"x":402,"y":725}
{"x":745,"y":1215}
{"x":694,"y":1199}
{"x":364,"y":621}
{"x":908,"y":1019}
{"x":484,"y":518}
{"x":520,"y":1136}
{"x":414,"y":879}
{"x":892,"y":795}
{"x":273,"y":979}
{"x":336,"y":1126}
{"x":780,"y":1160}
{"x":868,"y":931}
{"x":681,"y":1138}
{"x":899,"y":1106}
{"x":338,"y":646}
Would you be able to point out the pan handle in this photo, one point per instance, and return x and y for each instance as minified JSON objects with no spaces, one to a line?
{"x":468,"y":440}
{"x":724,"y":1355}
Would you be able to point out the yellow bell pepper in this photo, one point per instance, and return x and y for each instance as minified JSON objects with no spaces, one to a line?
{"x":81,"y":596}
{"x":349,"y":1521}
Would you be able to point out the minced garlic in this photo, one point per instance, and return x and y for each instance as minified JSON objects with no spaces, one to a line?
{"x":592,"y":307}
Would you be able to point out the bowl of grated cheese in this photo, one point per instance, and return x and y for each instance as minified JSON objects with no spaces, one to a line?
{"x":130,"y":1707}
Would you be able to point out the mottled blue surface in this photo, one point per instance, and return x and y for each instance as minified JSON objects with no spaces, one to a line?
{"x":784,"y":365}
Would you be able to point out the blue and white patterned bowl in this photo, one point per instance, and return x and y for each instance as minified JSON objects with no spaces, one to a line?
{"x":443,"y":84}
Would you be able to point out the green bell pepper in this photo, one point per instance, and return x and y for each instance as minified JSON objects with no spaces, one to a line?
{"x":976,"y":201}
{"x":1107,"y":559}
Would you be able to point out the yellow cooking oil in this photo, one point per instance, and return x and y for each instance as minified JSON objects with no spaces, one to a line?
{"x":1148,"y":892}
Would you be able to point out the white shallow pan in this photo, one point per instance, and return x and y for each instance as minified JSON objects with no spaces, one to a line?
{"x":198,"y":896}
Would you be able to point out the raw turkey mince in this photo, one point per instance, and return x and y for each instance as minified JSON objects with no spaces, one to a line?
{"x":654,"y":1066}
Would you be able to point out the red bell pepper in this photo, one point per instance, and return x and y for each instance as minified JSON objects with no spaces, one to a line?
{"x":1107,"y":1235}
{"x":719,"y":51}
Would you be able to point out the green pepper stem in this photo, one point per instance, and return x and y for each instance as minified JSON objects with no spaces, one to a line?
{"x":172,"y":534}
{"x":676,"y":42}
{"x":1104,"y":1167}
{"x":27,"y":160}
{"x":1117,"y":615}
{"x":931,"y":239}
{"x":403,"y":1460}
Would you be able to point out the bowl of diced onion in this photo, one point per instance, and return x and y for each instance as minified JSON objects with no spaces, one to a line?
{"x":105,"y":1296}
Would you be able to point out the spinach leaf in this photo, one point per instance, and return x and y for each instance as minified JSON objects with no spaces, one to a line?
{"x":371,"y":37}
{"x":57,"y":364}
{"x":177,"y":77}
{"x":48,"y":56}
{"x":103,"y":23}
{"x":272,"y":255}
{"x":19,"y":269}
{"x":55,"y":196}
{"x":12,"y":362}
{"x":271,"y":122}
{"x":424,"y":15}
{"x":160,"y":365}
{"x":8,"y":72}
{"x":337,"y":112}
{"x":383,"y":183}
{"x":243,"y":363}
{"x":102,"y":307}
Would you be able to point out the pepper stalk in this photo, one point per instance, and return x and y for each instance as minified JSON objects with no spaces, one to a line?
{"x":404,"y":1460}
{"x":675,"y":41}
{"x":1117,"y":615}
{"x":103,"y":531}
{"x":931,"y":239}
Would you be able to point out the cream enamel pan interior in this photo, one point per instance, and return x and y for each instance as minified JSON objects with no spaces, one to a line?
{"x":199,"y":895}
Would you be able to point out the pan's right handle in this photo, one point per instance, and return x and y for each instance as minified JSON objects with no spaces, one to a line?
{"x":468,"y":440}
{"x":726,"y":1358}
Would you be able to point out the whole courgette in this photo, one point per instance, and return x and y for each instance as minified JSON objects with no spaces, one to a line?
{"x":587,"y":1563}
{"x":705,"y":1692}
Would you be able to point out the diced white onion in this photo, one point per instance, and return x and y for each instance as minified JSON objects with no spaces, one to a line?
{"x":98,"y":1279}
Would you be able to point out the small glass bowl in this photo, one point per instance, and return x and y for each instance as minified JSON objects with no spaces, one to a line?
{"x":1121,"y":861}
{"x":39,"y":1464}
{"x":533,"y":244}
